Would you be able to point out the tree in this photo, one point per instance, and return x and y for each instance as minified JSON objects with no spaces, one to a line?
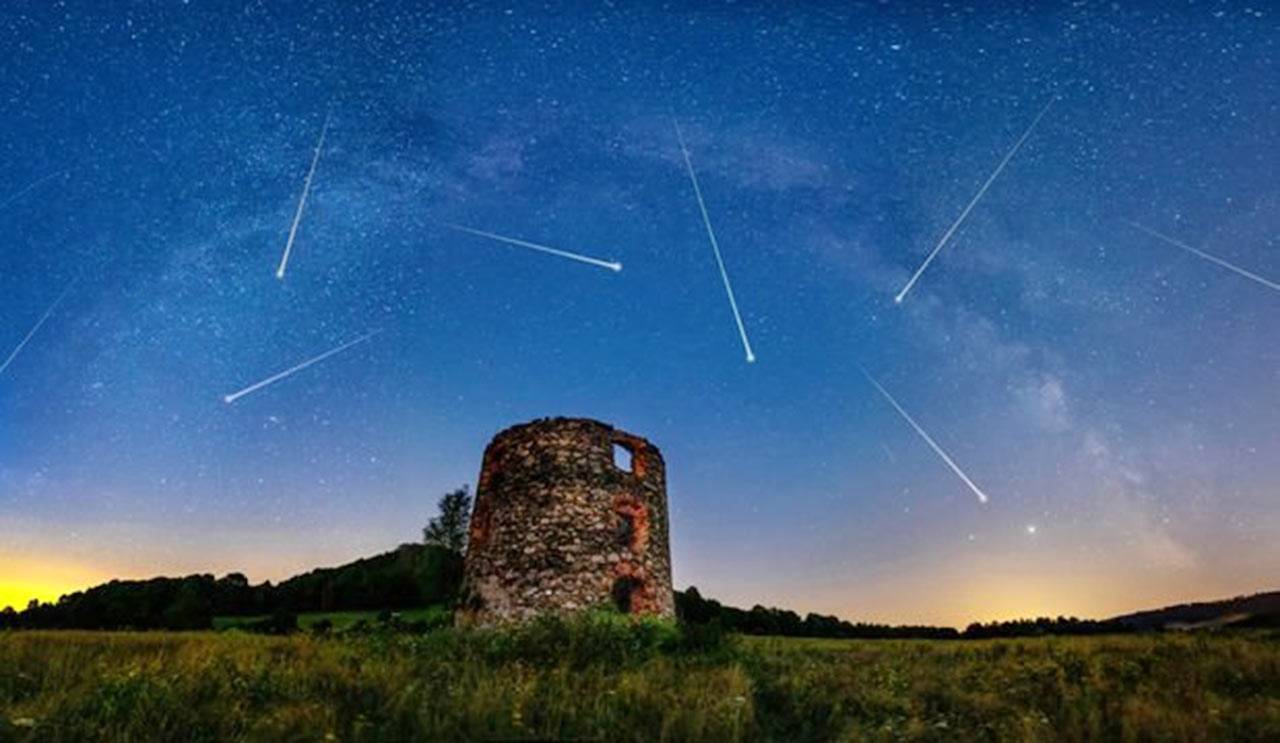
{"x":190,"y":608}
{"x":449,"y":529}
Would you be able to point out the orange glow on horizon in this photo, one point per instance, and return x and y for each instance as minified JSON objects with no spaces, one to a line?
{"x":997,"y":585}
{"x":1003,"y":586}
{"x":23,"y":579}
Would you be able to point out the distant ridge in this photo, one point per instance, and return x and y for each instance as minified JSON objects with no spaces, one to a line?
{"x":416,"y":575}
{"x":1258,"y":610}
{"x":410,"y":576}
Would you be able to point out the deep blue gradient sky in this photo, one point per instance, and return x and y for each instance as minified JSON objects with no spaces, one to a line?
{"x":1117,"y":397}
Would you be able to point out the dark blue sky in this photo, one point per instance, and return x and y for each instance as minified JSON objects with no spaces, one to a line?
{"x":1116,"y":396}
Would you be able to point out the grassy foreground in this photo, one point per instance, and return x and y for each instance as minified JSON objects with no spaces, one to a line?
{"x":607,"y":679}
{"x":341,"y":620}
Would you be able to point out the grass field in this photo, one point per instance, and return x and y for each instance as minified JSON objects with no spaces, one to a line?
{"x":340,"y":620}
{"x":605,"y":679}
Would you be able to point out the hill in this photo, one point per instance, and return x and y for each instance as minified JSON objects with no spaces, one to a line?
{"x":1258,"y":610}
{"x":409,"y":576}
{"x":413,"y":575}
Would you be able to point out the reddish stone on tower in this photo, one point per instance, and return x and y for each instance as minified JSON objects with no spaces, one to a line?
{"x":570,"y":514}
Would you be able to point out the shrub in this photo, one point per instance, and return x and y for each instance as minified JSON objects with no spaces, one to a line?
{"x":281,"y":622}
{"x":705,"y":639}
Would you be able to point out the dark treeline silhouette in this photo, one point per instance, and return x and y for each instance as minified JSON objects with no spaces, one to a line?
{"x":417,"y":575}
{"x":159,"y":603}
{"x":1046,"y":626}
{"x":413,"y":575}
{"x":1259,"y":609}
{"x":420,"y":575}
{"x":759,"y":620}
{"x":691,"y":607}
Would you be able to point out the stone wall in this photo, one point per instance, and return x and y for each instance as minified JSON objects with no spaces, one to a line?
{"x":558,"y":527}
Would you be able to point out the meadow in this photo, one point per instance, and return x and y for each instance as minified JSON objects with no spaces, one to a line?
{"x":602,"y":678}
{"x":341,"y":620}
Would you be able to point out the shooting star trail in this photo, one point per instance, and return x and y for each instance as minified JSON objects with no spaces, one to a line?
{"x":31,"y":187}
{"x":977,"y":197}
{"x":715,"y":245}
{"x":36,"y":328}
{"x":611,"y":265}
{"x":982,"y":497}
{"x":228,"y":399}
{"x":1201,"y":254}
{"x":302,"y":201}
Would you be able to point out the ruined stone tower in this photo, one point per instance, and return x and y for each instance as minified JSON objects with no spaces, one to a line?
{"x":570,"y":513}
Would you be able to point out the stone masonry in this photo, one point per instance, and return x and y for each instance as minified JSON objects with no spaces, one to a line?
{"x":560,"y":524}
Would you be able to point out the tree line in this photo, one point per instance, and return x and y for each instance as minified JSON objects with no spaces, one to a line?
{"x":413,"y":575}
{"x":418,"y":575}
{"x":692,"y":608}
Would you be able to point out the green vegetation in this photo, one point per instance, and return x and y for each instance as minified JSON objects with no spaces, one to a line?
{"x":448,"y":530}
{"x":606,"y":677}
{"x":412,"y":575}
{"x":339,"y":621}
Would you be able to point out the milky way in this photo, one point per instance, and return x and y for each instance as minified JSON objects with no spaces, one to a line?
{"x":972,"y":203}
{"x":1116,"y":393}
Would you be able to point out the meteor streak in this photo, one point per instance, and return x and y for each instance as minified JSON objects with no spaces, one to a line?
{"x":33,"y":330}
{"x":982,"y":497}
{"x":228,"y":399}
{"x":611,"y":265}
{"x":1201,"y":254}
{"x":977,"y":197}
{"x":302,"y":201}
{"x":715,"y":246}
{"x":24,"y":191}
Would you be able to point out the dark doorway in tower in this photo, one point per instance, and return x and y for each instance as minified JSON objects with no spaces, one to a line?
{"x":624,"y":593}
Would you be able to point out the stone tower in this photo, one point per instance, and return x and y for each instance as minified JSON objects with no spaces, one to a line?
{"x":570,"y":513}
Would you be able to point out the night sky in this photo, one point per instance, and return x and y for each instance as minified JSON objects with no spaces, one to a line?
{"x":1115,"y":395}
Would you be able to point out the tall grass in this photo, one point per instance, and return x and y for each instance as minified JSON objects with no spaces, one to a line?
{"x":602,"y":678}
{"x":1156,"y":687}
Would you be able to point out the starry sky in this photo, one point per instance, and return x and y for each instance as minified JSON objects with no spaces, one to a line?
{"x":1116,"y":396}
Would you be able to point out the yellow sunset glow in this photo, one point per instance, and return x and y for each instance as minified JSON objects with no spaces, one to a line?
{"x":23,"y":579}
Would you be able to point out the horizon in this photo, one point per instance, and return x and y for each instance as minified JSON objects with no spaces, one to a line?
{"x":18,"y":606}
{"x":936,"y":316}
